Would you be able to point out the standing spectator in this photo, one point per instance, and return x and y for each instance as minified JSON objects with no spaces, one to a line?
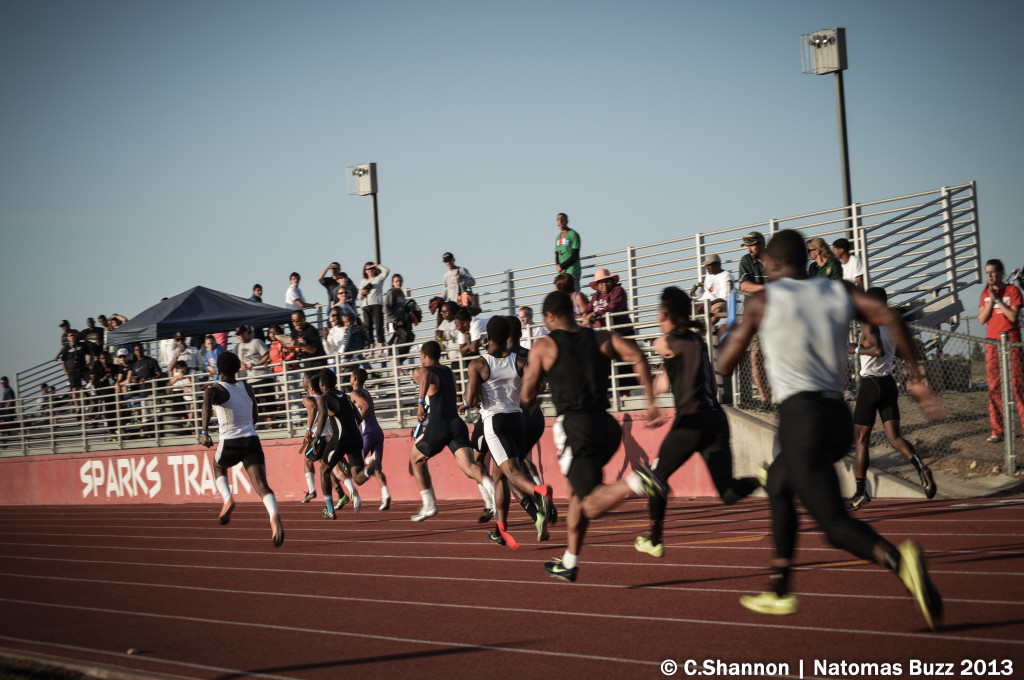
{"x":91,"y":327}
{"x":567,"y":284}
{"x":345,"y":283}
{"x":73,"y":358}
{"x":211,"y":350}
{"x":7,"y":398}
{"x":252,"y":353}
{"x":752,"y":278}
{"x":823,"y":260}
{"x":396,"y":312}
{"x":447,"y":334}
{"x":456,"y":279}
{"x":293,"y":296}
{"x":530,"y":330}
{"x":356,"y":339}
{"x":1000,"y":312}
{"x":143,"y":368}
{"x":306,"y":339}
{"x":183,"y":352}
{"x":608,"y":307}
{"x":327,"y":279}
{"x":371,"y":296}
{"x":165,"y":353}
{"x":257,"y":293}
{"x":853,"y":268}
{"x":343,"y":302}
{"x":64,"y":328}
{"x":567,"y":249}
{"x":717,"y":285}
{"x":472,"y":333}
{"x":279,"y":351}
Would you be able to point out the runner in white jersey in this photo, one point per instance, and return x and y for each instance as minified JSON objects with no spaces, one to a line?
{"x":494,"y":382}
{"x":878,"y":394}
{"x":803,"y":324}
{"x":237,"y":413}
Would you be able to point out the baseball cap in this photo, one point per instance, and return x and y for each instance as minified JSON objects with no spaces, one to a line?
{"x":447,"y":256}
{"x":241,"y":329}
{"x":712,"y":258}
{"x":752,"y":238}
{"x":121,"y":352}
{"x":64,"y":324}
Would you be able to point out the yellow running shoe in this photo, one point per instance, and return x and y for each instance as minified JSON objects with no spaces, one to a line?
{"x":915,"y":579}
{"x":644,"y":545}
{"x":770,"y":603}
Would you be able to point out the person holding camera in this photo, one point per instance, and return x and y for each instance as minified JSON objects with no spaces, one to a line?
{"x":371,"y":294}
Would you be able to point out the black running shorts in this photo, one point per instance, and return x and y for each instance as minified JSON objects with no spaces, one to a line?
{"x":876,"y":395}
{"x":439,"y":433}
{"x":245,"y":450}
{"x":593,"y":439}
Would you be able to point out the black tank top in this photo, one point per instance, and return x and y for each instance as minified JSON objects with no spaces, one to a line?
{"x":579,"y":378}
{"x":346,"y":423}
{"x":693,"y":380}
{"x":445,"y":397}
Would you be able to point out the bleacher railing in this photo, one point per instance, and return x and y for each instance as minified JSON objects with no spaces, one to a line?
{"x":923,"y":248}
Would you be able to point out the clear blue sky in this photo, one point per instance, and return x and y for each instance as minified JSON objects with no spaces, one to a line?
{"x":146,"y":147}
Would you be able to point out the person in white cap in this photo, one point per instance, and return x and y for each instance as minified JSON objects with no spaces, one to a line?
{"x":717,"y":284}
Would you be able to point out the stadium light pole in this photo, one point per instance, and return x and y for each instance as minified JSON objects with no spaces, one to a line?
{"x":362,"y":181}
{"x":824,"y":52}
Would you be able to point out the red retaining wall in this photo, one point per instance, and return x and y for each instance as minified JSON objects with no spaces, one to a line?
{"x":184,"y":474}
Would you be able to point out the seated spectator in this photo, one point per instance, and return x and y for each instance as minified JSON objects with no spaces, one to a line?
{"x":120,"y":376}
{"x":823,"y":261}
{"x":180,"y":383}
{"x":371,"y":300}
{"x":853,"y":268}
{"x":327,"y":280}
{"x":98,"y":393}
{"x":342,"y":302}
{"x":7,"y":401}
{"x":334,"y":337}
{"x":608,"y":307}
{"x":356,"y":340}
{"x":211,"y":350}
{"x":456,"y":279}
{"x":447,"y":334}
{"x":184,"y":352}
{"x":530,"y":330}
{"x":717,"y":285}
{"x":567,"y":284}
{"x":293,"y":296}
{"x":472,"y":333}
{"x":103,"y":367}
{"x":144,"y":368}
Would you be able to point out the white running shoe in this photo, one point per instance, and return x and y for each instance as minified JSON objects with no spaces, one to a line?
{"x":424,"y":513}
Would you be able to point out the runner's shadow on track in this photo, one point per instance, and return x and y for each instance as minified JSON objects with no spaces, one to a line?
{"x":687,"y":582}
{"x":960,"y":627}
{"x":384,"y":658}
{"x":1010,"y":552}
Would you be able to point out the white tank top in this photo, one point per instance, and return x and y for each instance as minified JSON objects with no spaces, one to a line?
{"x":501,"y":390}
{"x":234,"y":416}
{"x":328,"y":430}
{"x":879,"y":367}
{"x":805,"y":334}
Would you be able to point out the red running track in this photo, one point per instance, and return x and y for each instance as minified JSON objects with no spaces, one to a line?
{"x":377,"y":596}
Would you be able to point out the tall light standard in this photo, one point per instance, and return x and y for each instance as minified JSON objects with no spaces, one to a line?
{"x":362,"y":181}
{"x":824,"y":52}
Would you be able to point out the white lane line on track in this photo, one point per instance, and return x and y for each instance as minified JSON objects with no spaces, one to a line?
{"x":939,"y":636}
{"x":532,"y":582}
{"x":328,"y":632}
{"x":554,"y":546}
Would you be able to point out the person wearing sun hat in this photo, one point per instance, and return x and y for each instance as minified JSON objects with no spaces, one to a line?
{"x":608,"y":306}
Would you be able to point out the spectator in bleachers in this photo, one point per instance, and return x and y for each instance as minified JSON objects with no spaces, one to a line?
{"x":823,"y":260}
{"x":567,"y":249}
{"x":472,"y":333}
{"x":208,"y":357}
{"x":144,"y":368}
{"x":752,"y":277}
{"x":257,"y":293}
{"x":356,"y":339}
{"x":7,"y":399}
{"x":447,"y":334}
{"x":98,"y":393}
{"x":165,"y":353}
{"x":252,"y":353}
{"x":327,"y":280}
{"x":187,"y":353}
{"x":64,"y":328}
{"x":456,"y":279}
{"x":609,"y":306}
{"x":396,"y":313}
{"x":293,"y":296}
{"x":1000,"y":312}
{"x":371,"y":300}
{"x":717,"y":285}
{"x":530,"y":330}
{"x":119,"y":375}
{"x":567,"y":284}
{"x":279,"y":350}
{"x":853,"y":268}
{"x":334,"y":337}
{"x":91,"y":327}
{"x":306,"y":339}
{"x":73,"y":361}
{"x":343,"y":302}
{"x":104,"y":367}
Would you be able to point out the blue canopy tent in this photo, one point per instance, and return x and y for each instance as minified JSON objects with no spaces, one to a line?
{"x":197,"y":310}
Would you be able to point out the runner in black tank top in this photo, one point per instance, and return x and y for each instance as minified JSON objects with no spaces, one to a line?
{"x":577,"y":364}
{"x":700,"y":424}
{"x":345,"y":443}
{"x":443,"y":427}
